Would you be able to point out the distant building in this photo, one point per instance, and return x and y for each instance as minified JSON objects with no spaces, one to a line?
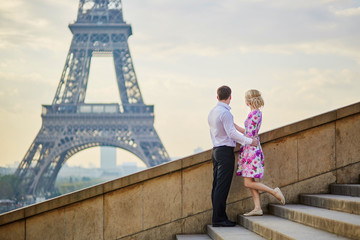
{"x":129,"y":168}
{"x":107,"y":158}
{"x":67,"y":171}
{"x":198,"y":150}
{"x":7,"y":170}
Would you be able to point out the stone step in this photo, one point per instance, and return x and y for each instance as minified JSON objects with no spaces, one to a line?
{"x":341,"y":203}
{"x":231,"y":233}
{"x":340,"y":223}
{"x":272,"y":227}
{"x":193,"y":237}
{"x":345,"y":189}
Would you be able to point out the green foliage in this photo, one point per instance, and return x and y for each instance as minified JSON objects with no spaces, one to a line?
{"x":10,"y":188}
{"x":84,"y":179}
{"x":72,"y":184}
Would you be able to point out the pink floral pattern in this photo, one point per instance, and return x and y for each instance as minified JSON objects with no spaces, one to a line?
{"x":251,"y":159}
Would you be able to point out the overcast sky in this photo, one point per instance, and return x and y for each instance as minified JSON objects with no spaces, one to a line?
{"x":303,"y":55}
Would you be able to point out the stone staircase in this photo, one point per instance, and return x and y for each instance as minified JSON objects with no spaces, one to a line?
{"x":318,"y":216}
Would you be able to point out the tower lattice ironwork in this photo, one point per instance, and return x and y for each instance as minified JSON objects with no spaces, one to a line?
{"x":69,"y":125}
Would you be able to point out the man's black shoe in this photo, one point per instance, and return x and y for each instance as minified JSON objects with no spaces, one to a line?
{"x":232,"y":222}
{"x":226,"y":223}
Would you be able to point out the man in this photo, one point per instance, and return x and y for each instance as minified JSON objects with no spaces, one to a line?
{"x":224,"y":137}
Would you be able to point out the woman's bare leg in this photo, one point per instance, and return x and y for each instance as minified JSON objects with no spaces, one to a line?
{"x":256,"y":198}
{"x":252,"y":184}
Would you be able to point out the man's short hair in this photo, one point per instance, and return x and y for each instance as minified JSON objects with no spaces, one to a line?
{"x":223,"y":92}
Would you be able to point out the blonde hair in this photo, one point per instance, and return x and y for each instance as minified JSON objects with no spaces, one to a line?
{"x":253,"y":99}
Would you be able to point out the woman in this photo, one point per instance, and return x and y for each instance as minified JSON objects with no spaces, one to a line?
{"x":251,"y":159}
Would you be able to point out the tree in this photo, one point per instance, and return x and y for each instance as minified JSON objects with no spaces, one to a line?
{"x":11,"y":188}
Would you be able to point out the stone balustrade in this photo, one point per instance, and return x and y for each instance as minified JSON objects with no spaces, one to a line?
{"x":174,"y":198}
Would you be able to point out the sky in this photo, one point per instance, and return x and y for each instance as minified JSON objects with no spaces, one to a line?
{"x":303,"y":55}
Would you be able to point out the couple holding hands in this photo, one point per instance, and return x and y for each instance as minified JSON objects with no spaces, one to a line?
{"x":250,"y":163}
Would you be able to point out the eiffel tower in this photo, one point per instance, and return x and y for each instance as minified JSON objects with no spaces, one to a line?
{"x":69,"y":125}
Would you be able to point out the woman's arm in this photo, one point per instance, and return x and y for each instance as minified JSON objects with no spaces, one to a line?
{"x":240,"y":129}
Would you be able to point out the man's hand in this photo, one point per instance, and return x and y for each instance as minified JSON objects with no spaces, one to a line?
{"x":254,"y":142}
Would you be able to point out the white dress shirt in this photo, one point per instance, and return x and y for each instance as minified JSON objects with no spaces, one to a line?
{"x":222,"y":129}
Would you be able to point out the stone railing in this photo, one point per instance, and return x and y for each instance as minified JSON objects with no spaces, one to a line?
{"x":174,"y":198}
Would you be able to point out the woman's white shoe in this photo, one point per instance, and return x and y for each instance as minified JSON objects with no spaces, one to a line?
{"x":282,"y":198}
{"x":254,"y":213}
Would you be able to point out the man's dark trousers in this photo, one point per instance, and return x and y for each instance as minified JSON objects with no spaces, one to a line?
{"x":223,"y":159}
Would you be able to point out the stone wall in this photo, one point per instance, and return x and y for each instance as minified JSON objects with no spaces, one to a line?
{"x":174,"y":198}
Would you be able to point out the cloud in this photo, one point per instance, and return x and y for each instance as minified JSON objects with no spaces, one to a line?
{"x":297,"y":95}
{"x":28,"y":77}
{"x":335,"y":47}
{"x":22,"y":40}
{"x":315,"y":80}
{"x":17,"y":14}
{"x":303,"y":55}
{"x":25,"y":24}
{"x":218,"y":28}
{"x":349,"y":12}
{"x":5,"y":5}
{"x":313,"y":88}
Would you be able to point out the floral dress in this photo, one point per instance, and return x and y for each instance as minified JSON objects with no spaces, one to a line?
{"x":251,"y":159}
